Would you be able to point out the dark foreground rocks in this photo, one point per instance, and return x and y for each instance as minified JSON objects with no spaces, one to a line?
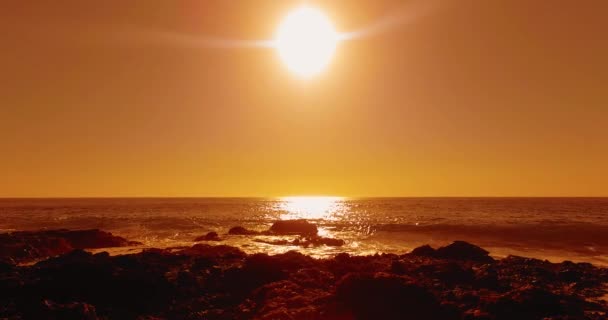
{"x":221,"y":282}
{"x":32,"y":245}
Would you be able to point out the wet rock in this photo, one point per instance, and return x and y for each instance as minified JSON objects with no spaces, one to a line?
{"x":257,"y":270}
{"x":211,"y":236}
{"x":30,"y":245}
{"x":319,"y":241}
{"x":311,"y":277}
{"x":214,"y":252}
{"x":534,"y":303}
{"x":293,"y":260}
{"x":449,"y":273}
{"x":68,"y":311}
{"x":90,"y":239}
{"x":242,"y":231}
{"x":313,"y":241}
{"x":486,"y":277}
{"x":6,"y":265}
{"x":220,"y":282}
{"x":280,"y":242}
{"x":461,"y":250}
{"x":383,"y":296}
{"x":424,"y":251}
{"x":289,"y":227}
{"x":397,"y":267}
{"x":476,"y":314}
{"x":287,"y":300}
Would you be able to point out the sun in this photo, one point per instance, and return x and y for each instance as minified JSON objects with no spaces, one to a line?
{"x":306,"y":41}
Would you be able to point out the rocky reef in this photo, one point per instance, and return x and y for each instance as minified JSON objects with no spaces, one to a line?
{"x":280,"y":228}
{"x":31,"y":245}
{"x":307,"y":234}
{"x":459,"y":281}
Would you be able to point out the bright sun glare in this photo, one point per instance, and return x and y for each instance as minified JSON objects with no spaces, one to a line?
{"x":310,"y":207}
{"x":306,"y":41}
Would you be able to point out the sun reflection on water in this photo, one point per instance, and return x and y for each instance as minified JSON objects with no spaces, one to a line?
{"x":310,"y":207}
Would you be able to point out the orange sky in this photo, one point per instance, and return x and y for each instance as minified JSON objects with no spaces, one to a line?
{"x":478,"y":98}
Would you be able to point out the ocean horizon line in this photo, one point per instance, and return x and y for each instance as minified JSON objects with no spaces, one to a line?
{"x":298,"y":196}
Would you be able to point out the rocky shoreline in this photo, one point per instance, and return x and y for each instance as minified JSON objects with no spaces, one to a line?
{"x":459,"y":281}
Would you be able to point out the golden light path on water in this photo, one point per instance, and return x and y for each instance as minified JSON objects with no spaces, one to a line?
{"x":310,"y":207}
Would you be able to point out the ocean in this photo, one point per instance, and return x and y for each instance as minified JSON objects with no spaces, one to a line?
{"x":556,"y":229}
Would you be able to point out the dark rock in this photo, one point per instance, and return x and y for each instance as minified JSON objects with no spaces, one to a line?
{"x":6,"y":265}
{"x":242,"y":231}
{"x":211,"y":236}
{"x":424,"y":251}
{"x":383,"y":296}
{"x":398,"y":267}
{"x":68,"y":311}
{"x":287,"y":300}
{"x":487,"y":277}
{"x":288,"y":227}
{"x":94,"y":238}
{"x":476,"y":314}
{"x":534,"y":303}
{"x":311,"y":277}
{"x":570,"y":275}
{"x":257,"y":270}
{"x":280,"y":242}
{"x":222,"y":282}
{"x":461,"y":250}
{"x":30,"y":245}
{"x":449,"y":273}
{"x":312,"y":241}
{"x":318,"y":241}
{"x":214,"y":252}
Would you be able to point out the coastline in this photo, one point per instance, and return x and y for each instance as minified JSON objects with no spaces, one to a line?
{"x":205,"y":281}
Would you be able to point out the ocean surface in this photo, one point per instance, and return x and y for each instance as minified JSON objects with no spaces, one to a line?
{"x":550,"y":228}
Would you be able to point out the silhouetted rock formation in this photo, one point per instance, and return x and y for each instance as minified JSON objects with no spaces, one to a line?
{"x":386,"y":296}
{"x":458,"y":250}
{"x":221,"y":282}
{"x":424,"y":251}
{"x":289,"y":227}
{"x":31,"y":245}
{"x":68,"y":311}
{"x":211,"y":236}
{"x":313,"y":241}
{"x":299,"y":227}
{"x":242,"y":231}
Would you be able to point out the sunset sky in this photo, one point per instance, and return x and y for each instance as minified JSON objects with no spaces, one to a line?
{"x":469,"y":98}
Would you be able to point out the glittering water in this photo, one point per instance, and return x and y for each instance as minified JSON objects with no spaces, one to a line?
{"x":553,"y":228}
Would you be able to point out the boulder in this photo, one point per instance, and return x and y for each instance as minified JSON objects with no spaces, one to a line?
{"x":290,"y":227}
{"x":318,"y":241}
{"x":31,"y":245}
{"x":68,"y":311}
{"x":383,"y":296}
{"x":242,"y":231}
{"x":211,"y":236}
{"x":534,"y":303}
{"x":313,"y":241}
{"x":448,"y":272}
{"x":461,"y":250}
{"x":424,"y":251}
{"x":214,"y":252}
